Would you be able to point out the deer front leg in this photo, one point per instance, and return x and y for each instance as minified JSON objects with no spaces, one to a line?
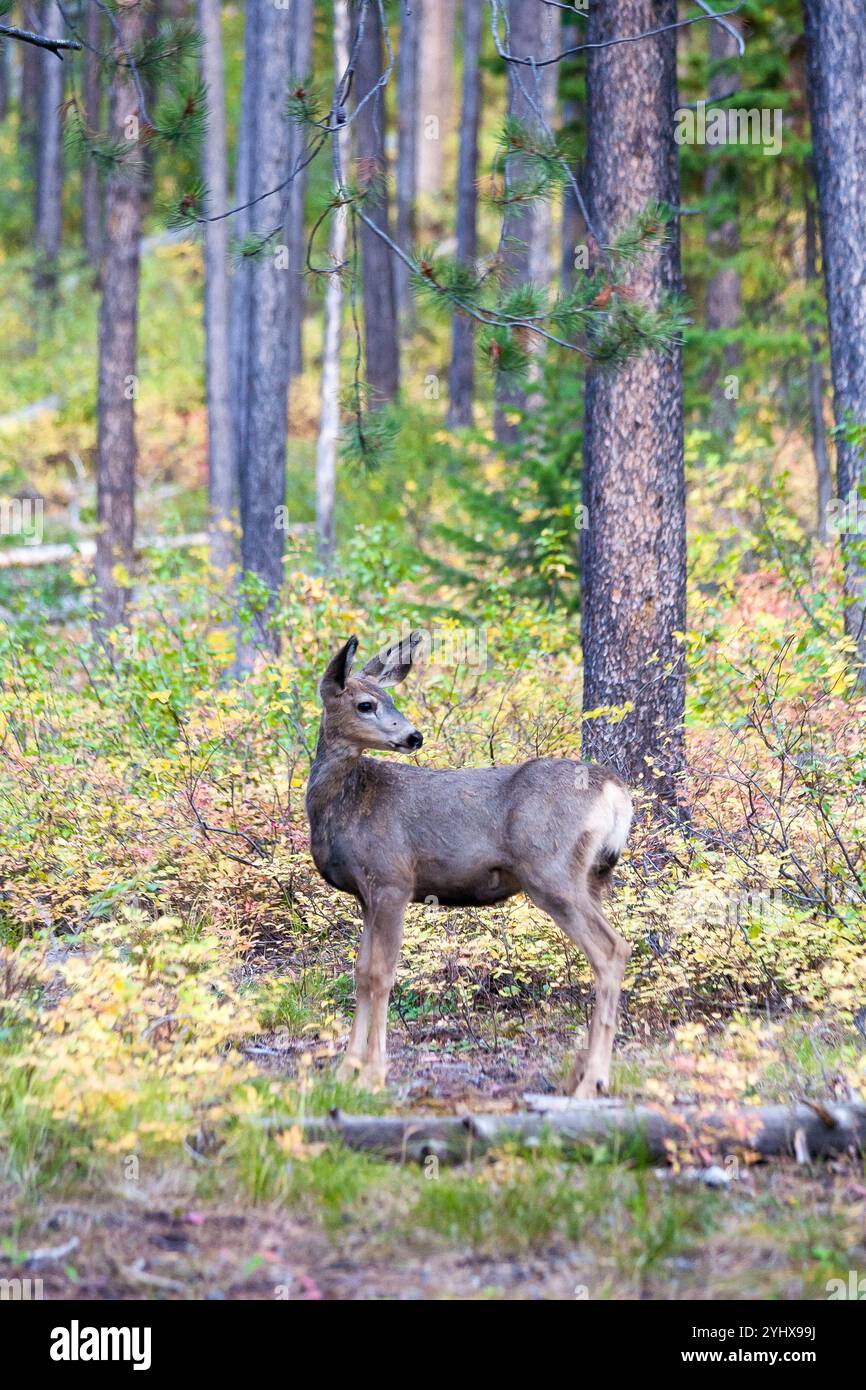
{"x":374,"y":976}
{"x":386,"y":937}
{"x":356,"y":1051}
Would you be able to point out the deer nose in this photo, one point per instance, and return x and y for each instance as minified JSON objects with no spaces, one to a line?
{"x":414,"y":740}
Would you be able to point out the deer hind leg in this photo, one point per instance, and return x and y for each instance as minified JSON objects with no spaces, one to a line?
{"x":607,"y":952}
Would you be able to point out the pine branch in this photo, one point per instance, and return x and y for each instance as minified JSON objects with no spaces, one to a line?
{"x":54,"y":46}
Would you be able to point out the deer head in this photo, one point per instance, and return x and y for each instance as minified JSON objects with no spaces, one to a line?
{"x":358,"y":711}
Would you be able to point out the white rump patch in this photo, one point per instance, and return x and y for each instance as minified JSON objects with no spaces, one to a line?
{"x":618,"y":806}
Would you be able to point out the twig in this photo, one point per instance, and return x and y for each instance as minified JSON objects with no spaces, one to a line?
{"x":9,"y":31}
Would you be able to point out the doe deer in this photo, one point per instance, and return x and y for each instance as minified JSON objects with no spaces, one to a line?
{"x":395,"y":833}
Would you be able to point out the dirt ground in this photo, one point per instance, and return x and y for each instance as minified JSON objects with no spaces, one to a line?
{"x":774,"y":1233}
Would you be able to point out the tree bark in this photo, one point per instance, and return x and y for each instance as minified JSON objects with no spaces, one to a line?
{"x":91,"y":195}
{"x":435,"y":92}
{"x":823,"y":474}
{"x":524,"y":245}
{"x":4,"y":80}
{"x":28,"y":106}
{"x":633,"y":549}
{"x":329,"y":414}
{"x":836,"y":83}
{"x":118,"y":337}
{"x":382,"y":346}
{"x":150,"y":79}
{"x":461,"y":384}
{"x":241,"y":283}
{"x":724,"y":298}
{"x":301,"y":62}
{"x":573,"y":120}
{"x":49,"y":166}
{"x":407,"y":150}
{"x":222,"y":474}
{"x":262,"y":462}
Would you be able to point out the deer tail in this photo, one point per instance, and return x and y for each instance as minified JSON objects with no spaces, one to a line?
{"x":617,"y":812}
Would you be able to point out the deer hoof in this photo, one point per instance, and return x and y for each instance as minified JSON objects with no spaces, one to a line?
{"x":355,"y":1070}
{"x":349,"y":1069}
{"x":372,"y":1078}
{"x":590,"y":1088}
{"x":578,"y":1071}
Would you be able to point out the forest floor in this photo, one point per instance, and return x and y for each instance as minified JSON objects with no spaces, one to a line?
{"x":509,"y":1226}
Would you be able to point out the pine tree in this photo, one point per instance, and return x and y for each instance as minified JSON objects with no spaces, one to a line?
{"x":118,"y":331}
{"x":633,"y":548}
{"x":381,"y":337}
{"x":49,"y":163}
{"x":461,"y":380}
{"x":222,"y":470}
{"x":836,"y":54}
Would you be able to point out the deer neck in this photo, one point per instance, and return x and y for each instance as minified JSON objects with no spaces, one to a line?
{"x":335,"y":761}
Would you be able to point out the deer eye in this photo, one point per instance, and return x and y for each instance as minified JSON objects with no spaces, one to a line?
{"x":365,"y":707}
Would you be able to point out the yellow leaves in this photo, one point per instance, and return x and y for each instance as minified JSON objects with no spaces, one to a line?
{"x":125,"y":1144}
{"x":145,"y":1023}
{"x":221,"y":643}
{"x":614,"y":714}
{"x":162,"y":697}
{"x":121,"y":576}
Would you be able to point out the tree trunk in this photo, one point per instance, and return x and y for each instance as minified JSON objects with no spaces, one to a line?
{"x":436,"y":92}
{"x":382,"y":348}
{"x":301,"y":62}
{"x":262,"y":463}
{"x":407,"y":150}
{"x":222,"y":476}
{"x":633,"y":548}
{"x":150,"y":79}
{"x":5,"y":70}
{"x":118,"y":328}
{"x":724,"y":300}
{"x":239,"y":327}
{"x":91,"y":198}
{"x":816,"y":377}
{"x":49,"y":166}
{"x":524,"y":246}
{"x":28,"y":106}
{"x":803,"y":1131}
{"x":329,"y":415}
{"x":573,"y":232}
{"x":836,"y":82}
{"x":461,"y":385}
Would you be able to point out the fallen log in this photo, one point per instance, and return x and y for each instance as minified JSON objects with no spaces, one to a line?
{"x":30,"y":556}
{"x":803,"y":1131}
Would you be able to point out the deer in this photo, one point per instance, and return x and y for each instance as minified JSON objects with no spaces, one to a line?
{"x":391,"y":833}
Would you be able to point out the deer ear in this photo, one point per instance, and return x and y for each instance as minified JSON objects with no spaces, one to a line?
{"x":338,"y":670}
{"x":393,"y":664}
